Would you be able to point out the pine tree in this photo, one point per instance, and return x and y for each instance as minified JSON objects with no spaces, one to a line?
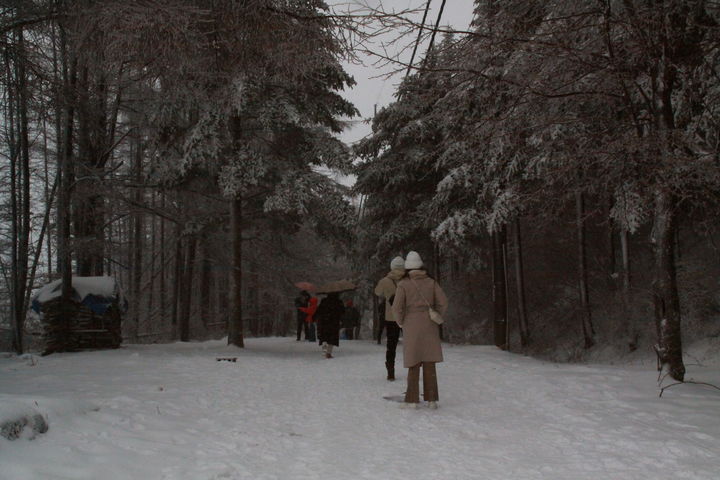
{"x":400,"y":167}
{"x":263,"y":124}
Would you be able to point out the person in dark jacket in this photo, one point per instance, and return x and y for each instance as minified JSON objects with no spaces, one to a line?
{"x":328,"y":316}
{"x":385,"y":290}
{"x":301,"y":301}
{"x":350,"y":319}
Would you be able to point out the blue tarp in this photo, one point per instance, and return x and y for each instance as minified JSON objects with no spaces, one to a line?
{"x":96,"y":293}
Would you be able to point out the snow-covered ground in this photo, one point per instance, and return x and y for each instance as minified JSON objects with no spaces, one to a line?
{"x":284,"y":412}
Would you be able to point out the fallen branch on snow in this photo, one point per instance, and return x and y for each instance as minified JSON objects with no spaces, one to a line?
{"x":662,"y":390}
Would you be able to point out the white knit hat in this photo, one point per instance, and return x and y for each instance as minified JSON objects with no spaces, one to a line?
{"x":413,"y":260}
{"x":397,"y":263}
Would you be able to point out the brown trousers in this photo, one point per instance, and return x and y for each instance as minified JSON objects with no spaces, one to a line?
{"x":430,"y":386}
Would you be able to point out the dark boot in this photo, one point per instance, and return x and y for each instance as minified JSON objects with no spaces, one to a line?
{"x":390,"y":371}
{"x":390,"y":356}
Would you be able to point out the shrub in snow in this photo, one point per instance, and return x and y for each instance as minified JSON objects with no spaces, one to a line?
{"x":16,"y":423}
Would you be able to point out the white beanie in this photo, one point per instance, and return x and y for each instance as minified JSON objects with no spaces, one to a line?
{"x":413,"y":260}
{"x":397,"y":263}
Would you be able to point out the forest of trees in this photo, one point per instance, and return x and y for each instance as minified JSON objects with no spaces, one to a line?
{"x":562,"y":155}
{"x":556,"y":165}
{"x":158,"y":142}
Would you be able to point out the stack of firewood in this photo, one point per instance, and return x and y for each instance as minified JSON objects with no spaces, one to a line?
{"x":69,"y":326}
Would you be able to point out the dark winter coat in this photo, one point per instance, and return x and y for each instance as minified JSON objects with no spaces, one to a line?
{"x":328,"y":316}
{"x":351,"y":317}
{"x":301,"y":302}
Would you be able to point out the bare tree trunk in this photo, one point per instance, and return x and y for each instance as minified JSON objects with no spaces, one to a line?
{"x":187,"y":288}
{"x":48,"y":199}
{"x":625,"y":249}
{"x":436,"y":268}
{"x":138,"y":241}
{"x":24,"y":244}
{"x":94,"y":145}
{"x":665,"y":294}
{"x":612,"y":263}
{"x":58,"y":110}
{"x":205,"y":279}
{"x":64,"y":252}
{"x":436,"y":262}
{"x":83,"y":173}
{"x":19,"y":186}
{"x":109,"y":264}
{"x":9,"y":114}
{"x":255,"y":301}
{"x":163,"y":269}
{"x":152,"y":273}
{"x":223,"y":281}
{"x":630,"y":329}
{"x":235,"y":324}
{"x":177,"y":276}
{"x":499,"y":291}
{"x":520,"y":287}
{"x":98,"y":210}
{"x":44,"y":228}
{"x":507,"y":291}
{"x":585,"y":311}
{"x":127,"y":235}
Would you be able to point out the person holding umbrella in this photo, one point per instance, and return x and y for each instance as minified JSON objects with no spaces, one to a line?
{"x":329,"y":315}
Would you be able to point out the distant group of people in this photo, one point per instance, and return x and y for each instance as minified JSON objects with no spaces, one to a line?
{"x":326,"y":318}
{"x":410,"y":299}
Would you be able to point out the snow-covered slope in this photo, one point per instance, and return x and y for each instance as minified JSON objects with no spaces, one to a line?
{"x":284,"y":412}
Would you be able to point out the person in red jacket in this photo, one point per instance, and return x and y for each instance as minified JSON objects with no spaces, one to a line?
{"x":310,"y":318}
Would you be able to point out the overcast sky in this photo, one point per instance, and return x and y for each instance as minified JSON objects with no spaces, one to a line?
{"x":371,"y":91}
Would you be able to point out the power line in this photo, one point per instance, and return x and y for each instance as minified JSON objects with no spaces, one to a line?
{"x":437,"y":24}
{"x":417,"y":41}
{"x":432,"y":37}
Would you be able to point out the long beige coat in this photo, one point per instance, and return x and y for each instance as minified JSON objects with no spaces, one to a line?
{"x":421,"y":336}
{"x":386,"y":288}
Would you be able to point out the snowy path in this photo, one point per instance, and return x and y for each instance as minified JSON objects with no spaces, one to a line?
{"x":284,"y":412}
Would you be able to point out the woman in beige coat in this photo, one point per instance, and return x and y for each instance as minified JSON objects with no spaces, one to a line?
{"x":421,"y":336}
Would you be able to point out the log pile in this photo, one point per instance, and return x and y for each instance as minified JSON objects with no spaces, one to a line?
{"x":69,"y":326}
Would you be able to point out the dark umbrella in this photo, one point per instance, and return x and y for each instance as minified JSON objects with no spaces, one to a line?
{"x":336,"y":287}
{"x":305,"y":286}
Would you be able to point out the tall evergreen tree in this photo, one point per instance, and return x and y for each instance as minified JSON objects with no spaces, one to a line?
{"x":400,"y":168}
